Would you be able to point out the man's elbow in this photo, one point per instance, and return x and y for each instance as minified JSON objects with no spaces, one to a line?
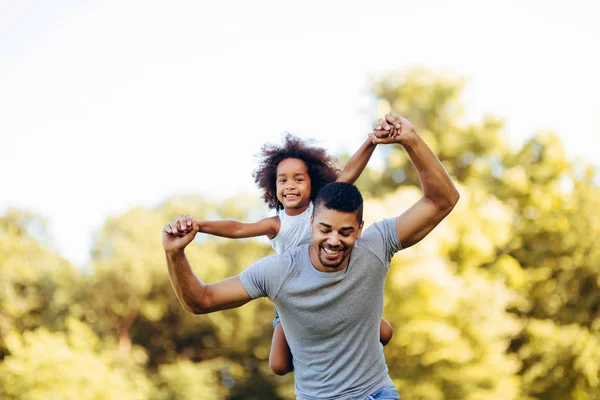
{"x":454,"y":197}
{"x":195,"y":306}
{"x":196,"y":309}
{"x":193,"y":309}
{"x":449,"y":202}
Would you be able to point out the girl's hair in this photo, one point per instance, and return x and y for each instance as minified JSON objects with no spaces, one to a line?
{"x":321,"y":167}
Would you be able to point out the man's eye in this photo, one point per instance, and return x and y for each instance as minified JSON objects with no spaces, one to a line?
{"x":344,"y":234}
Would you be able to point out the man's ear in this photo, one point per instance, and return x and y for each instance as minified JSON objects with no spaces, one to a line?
{"x":360,"y":227}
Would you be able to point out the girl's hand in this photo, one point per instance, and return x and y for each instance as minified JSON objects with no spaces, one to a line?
{"x":381,"y":129}
{"x":177,"y":234}
{"x":398,"y":128}
{"x":400,"y":125}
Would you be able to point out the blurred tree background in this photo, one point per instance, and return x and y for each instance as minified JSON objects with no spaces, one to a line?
{"x":501,"y":301}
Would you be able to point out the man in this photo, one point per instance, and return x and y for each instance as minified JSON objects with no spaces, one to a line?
{"x":330,"y":293}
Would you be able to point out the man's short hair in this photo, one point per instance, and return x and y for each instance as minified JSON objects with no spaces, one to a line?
{"x":340,"y":196}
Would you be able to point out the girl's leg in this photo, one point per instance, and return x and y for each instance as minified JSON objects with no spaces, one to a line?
{"x":280,"y":358}
{"x":385,"y":332}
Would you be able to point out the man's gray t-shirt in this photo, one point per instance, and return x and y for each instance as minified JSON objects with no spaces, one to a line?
{"x":331,"y":319}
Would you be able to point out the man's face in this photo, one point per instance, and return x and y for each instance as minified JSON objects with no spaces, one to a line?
{"x":334,"y":234}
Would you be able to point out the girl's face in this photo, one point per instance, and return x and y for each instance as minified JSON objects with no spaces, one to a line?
{"x":293,"y":185}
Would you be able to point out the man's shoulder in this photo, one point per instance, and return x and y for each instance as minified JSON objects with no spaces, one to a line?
{"x":296,"y":254}
{"x":288,"y":257}
{"x":378,"y":229}
{"x":380,"y":238}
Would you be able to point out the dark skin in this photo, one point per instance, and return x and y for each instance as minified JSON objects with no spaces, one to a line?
{"x":293,"y":185}
{"x":439,"y":198}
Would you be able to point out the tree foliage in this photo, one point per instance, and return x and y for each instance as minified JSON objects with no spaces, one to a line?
{"x":501,"y":301}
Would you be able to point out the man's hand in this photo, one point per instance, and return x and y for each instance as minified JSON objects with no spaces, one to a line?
{"x":177,"y":234}
{"x":392,"y":129}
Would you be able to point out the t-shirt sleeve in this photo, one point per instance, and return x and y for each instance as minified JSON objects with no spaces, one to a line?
{"x":382,"y":239}
{"x":265,"y":277}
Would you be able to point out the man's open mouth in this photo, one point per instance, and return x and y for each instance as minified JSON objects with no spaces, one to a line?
{"x":331,"y":251}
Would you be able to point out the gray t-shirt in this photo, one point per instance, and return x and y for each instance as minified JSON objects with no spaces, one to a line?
{"x":331,"y":319}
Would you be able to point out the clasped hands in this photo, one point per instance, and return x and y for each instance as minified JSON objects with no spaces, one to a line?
{"x":178,"y":233}
{"x":391,"y":129}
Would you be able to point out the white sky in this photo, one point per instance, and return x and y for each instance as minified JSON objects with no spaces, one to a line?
{"x":109,"y":105}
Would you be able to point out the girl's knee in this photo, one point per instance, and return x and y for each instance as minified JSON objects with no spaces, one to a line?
{"x":385,"y":332}
{"x":279,"y":367}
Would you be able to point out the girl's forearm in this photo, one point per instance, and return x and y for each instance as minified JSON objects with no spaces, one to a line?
{"x":357,"y":163}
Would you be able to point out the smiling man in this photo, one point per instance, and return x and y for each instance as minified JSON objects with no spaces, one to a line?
{"x":335,"y":226}
{"x":329,"y":293}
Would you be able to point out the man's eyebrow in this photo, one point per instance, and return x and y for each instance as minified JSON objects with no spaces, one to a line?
{"x":345,"y":229}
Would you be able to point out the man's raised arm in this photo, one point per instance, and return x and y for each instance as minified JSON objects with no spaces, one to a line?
{"x":194,"y":295}
{"x":439,"y":193}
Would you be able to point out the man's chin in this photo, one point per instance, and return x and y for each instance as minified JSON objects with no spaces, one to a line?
{"x":328,"y":264}
{"x":331,"y":263}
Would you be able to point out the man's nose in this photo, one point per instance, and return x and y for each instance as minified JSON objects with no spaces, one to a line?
{"x":333,"y":240}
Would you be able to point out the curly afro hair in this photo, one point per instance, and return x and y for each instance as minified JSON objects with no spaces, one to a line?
{"x":321,"y":166}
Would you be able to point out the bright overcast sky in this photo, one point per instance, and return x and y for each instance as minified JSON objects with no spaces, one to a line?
{"x":109,"y":105}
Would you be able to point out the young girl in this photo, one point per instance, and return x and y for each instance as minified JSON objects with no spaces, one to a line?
{"x":290,"y":177}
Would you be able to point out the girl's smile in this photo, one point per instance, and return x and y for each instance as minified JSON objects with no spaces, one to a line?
{"x":293,"y":185}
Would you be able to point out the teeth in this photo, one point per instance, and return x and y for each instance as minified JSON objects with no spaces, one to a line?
{"x":329,"y":251}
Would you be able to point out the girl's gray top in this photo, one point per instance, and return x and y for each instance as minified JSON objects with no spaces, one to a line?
{"x":331,"y":319}
{"x":294,"y":230}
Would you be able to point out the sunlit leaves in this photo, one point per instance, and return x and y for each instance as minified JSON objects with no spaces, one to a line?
{"x":67,"y":365}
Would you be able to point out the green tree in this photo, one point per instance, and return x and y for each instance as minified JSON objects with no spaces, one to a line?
{"x":451,"y":330}
{"x":556,"y":221}
{"x":531,"y":222}
{"x":132,"y":298}
{"x":501,"y":301}
{"x":432,"y":103}
{"x":68,"y":365}
{"x":38,"y":287}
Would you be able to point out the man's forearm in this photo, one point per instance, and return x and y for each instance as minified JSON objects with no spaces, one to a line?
{"x":189,"y":289}
{"x":435,"y":181}
{"x":357,"y":163}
